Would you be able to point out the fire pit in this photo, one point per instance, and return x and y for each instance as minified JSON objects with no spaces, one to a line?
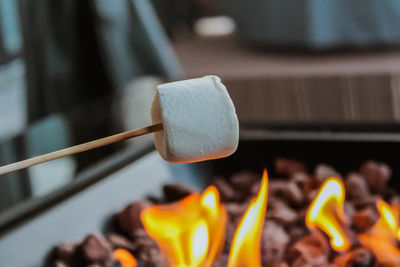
{"x":90,"y":210}
{"x":305,"y":214}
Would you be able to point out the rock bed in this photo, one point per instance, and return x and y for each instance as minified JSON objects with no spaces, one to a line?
{"x":286,"y":241}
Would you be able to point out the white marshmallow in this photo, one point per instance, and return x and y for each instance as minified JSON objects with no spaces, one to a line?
{"x":199,"y":120}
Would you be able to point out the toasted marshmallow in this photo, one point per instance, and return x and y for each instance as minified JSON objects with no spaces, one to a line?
{"x":199,"y":120}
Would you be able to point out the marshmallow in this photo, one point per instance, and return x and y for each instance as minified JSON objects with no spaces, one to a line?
{"x":199,"y":120}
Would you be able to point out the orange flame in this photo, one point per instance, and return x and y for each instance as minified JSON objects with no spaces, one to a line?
{"x":390,"y":215}
{"x":216,"y":216}
{"x":326,"y":213}
{"x":245,"y":248}
{"x":125,"y":258}
{"x":190,"y":232}
{"x":381,"y":239}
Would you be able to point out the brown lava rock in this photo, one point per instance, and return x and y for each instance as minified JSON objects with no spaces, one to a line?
{"x":274,"y":242}
{"x":96,"y":249}
{"x":280,"y":264}
{"x":282,"y":213}
{"x":287,"y":167}
{"x":365,"y":218}
{"x":323,"y":171}
{"x":175,"y":192}
{"x":356,"y":186}
{"x":235,"y":211}
{"x":348,"y":209}
{"x":118,"y":241}
{"x":286,"y":241}
{"x":275,"y":187}
{"x":293,"y":194}
{"x":296,"y":233}
{"x":129,"y":218}
{"x":244,"y":180}
{"x":66,"y":253}
{"x":229,"y":233}
{"x":142,"y":240}
{"x":301,"y":179}
{"x":312,"y":249}
{"x":60,"y":263}
{"x":359,"y":257}
{"x":226,"y":191}
{"x":146,"y":248}
{"x":150,"y":257}
{"x":289,"y":192}
{"x":369,"y":201}
{"x":377,"y":175}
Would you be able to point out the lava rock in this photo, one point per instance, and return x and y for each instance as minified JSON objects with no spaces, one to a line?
{"x":280,"y":264}
{"x":323,"y":171}
{"x":66,"y":252}
{"x":118,"y":241}
{"x":175,"y":192}
{"x":150,"y":257}
{"x":243,"y":180}
{"x":301,"y":215}
{"x":255,"y":188}
{"x":311,"y":196}
{"x":141,"y":239}
{"x":293,"y":194}
{"x":60,"y":263}
{"x":365,"y":218}
{"x":395,"y":200}
{"x":96,"y":249}
{"x":296,"y":233}
{"x":147,"y":251}
{"x":348,"y":209}
{"x":359,"y":257}
{"x":129,"y":218}
{"x":282,"y":213}
{"x":235,"y":211}
{"x":229,"y":234}
{"x":312,"y":249}
{"x":287,"y":167}
{"x":356,"y":186}
{"x":300,"y":178}
{"x":286,"y":241}
{"x":226,"y":191}
{"x":300,"y":262}
{"x":274,"y":242}
{"x":369,"y":201}
{"x":290,"y":192}
{"x":275,"y":187}
{"x":377,"y":175}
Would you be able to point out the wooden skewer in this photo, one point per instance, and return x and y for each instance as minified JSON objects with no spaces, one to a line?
{"x":80,"y":148}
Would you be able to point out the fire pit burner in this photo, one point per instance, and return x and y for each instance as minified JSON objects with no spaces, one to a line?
{"x":318,"y":217}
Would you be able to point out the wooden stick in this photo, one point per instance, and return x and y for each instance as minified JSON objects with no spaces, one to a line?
{"x":80,"y":148}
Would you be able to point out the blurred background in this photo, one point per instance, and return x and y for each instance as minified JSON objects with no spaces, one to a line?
{"x":72,"y":71}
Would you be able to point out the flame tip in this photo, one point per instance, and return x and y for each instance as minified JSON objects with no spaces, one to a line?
{"x":326,"y":212}
{"x":245,"y":247}
{"x":189,"y":232}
